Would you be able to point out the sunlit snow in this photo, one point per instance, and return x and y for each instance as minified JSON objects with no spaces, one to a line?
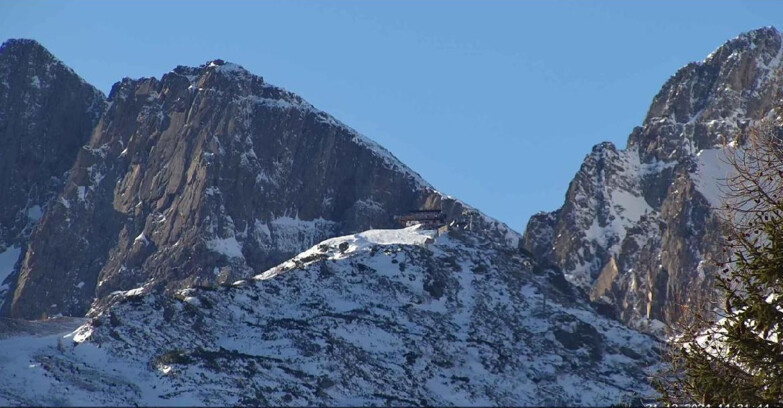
{"x":713,"y":169}
{"x":8,"y":259}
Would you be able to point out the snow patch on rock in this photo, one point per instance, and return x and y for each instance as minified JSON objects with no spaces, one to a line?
{"x":712,"y":171}
{"x":8,"y":259}
{"x":229,"y":247}
{"x":34,"y":213}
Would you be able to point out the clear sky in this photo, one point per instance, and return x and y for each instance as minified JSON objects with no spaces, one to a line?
{"x":494,"y":102}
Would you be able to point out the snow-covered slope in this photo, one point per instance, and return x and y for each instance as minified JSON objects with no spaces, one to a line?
{"x":400,"y":317}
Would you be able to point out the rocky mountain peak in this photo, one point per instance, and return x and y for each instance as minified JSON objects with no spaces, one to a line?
{"x":26,"y":49}
{"x":28,"y":58}
{"x":638,"y":226}
{"x":762,"y":40}
{"x":223,"y":76}
{"x":218,"y":66}
{"x":705,"y":102}
{"x":204,"y":176}
{"x":603,"y":147}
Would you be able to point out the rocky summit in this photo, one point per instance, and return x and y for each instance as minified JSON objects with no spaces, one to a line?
{"x":204,"y":176}
{"x":639,"y":230}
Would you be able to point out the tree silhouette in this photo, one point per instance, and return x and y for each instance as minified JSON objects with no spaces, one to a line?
{"x":736,"y":356}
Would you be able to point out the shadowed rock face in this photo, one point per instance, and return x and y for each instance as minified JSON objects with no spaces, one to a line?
{"x":204,"y":176}
{"x":650,"y":207}
{"x":46,"y":114}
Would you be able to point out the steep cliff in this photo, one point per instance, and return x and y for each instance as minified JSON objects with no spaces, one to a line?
{"x":46,"y":114}
{"x":638,"y":228}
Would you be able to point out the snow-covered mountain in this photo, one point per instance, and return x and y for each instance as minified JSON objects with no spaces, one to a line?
{"x":383,"y":317}
{"x":204,"y":176}
{"x":170,"y":209}
{"x":165,"y":210}
{"x":638,"y":228}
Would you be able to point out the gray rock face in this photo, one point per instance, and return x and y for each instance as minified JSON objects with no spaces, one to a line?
{"x":46,"y":114}
{"x":385,"y":317}
{"x":204,"y":176}
{"x":650,"y":209}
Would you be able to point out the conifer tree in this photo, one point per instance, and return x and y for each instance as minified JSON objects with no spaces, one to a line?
{"x":736,"y":355}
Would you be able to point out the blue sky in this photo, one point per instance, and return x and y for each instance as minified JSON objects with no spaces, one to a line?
{"x":494,"y":102}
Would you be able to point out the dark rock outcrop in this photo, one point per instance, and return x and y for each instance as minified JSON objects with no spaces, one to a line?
{"x":46,"y":114}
